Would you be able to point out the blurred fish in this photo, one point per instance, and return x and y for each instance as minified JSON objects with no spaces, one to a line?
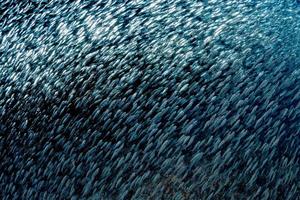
{"x":149,"y":100}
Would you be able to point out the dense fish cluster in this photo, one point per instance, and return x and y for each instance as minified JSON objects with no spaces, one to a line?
{"x":164,"y":99}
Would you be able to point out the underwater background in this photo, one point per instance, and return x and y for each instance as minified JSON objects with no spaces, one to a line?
{"x":140,"y":99}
